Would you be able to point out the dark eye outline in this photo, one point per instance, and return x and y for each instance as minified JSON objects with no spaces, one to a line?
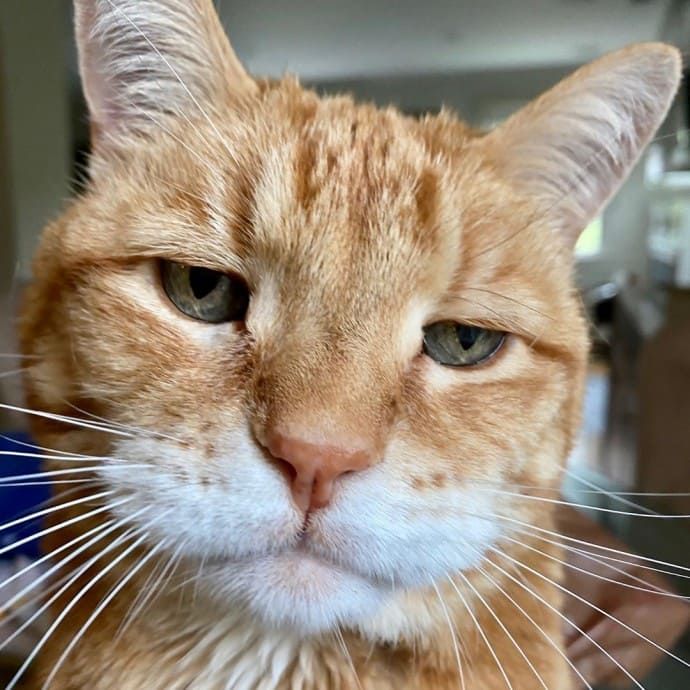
{"x":231,"y":286}
{"x":502,"y":337}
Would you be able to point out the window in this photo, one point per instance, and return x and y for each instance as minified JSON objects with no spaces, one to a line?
{"x":591,"y":239}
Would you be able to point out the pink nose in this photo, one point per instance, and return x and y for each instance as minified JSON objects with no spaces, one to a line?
{"x":313,"y":468}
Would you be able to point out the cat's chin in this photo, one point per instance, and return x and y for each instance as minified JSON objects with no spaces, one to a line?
{"x":298,"y":591}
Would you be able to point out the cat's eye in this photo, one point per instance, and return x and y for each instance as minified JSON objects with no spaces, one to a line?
{"x":458,"y":345}
{"x":204,"y":294}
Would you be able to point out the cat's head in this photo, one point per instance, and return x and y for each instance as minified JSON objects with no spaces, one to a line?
{"x":340,"y":338}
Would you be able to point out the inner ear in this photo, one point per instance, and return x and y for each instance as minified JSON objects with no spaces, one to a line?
{"x":573,"y":147}
{"x":144,"y":59}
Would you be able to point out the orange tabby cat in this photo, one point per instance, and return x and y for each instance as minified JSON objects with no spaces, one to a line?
{"x":339,"y":353}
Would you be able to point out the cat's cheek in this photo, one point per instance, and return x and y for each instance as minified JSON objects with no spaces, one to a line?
{"x":382,"y":528}
{"x":229,"y":506}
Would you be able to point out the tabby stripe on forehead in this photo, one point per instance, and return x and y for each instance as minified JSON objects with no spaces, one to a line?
{"x":194,"y":205}
{"x":426,"y":197}
{"x":306,"y":187}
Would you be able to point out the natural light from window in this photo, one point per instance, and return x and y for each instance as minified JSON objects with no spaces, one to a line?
{"x":591,"y":239}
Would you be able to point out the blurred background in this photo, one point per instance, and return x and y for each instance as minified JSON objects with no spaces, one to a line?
{"x":483,"y":59}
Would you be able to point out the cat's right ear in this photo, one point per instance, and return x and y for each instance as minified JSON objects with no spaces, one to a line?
{"x":141,"y":60}
{"x":572,"y":148}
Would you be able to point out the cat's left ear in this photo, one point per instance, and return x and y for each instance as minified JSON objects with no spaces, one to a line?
{"x":572,"y":148}
{"x":141,"y":60}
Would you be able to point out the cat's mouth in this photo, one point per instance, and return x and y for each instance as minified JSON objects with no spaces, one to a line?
{"x":301,"y":559}
{"x":296,"y":587}
{"x":301,"y":553}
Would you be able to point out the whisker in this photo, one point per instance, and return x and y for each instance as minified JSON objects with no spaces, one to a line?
{"x":202,"y":563}
{"x":609,"y":494}
{"x":179,"y":79}
{"x":104,"y":571}
{"x":595,"y":157}
{"x":8,"y":374}
{"x":556,"y":646}
{"x":51,"y":555}
{"x":595,"y":575}
{"x":146,"y":592}
{"x":16,"y":485}
{"x":192,"y":579}
{"x":120,"y":425}
{"x":48,"y":511}
{"x":651,"y":494}
{"x":508,"y":299}
{"x":613,"y":511}
{"x":102,"y":531}
{"x":611,"y":617}
{"x":544,"y":212}
{"x":156,"y":121}
{"x":504,"y":628}
{"x":99,"y":609}
{"x":67,"y":420}
{"x":488,"y":644}
{"x":73,"y":578}
{"x":590,"y":544}
{"x":29,"y":605}
{"x":25,"y":444}
{"x":500,"y":317}
{"x":62,"y":525}
{"x":59,"y":458}
{"x":177,"y":559}
{"x":567,"y":620}
{"x":453,"y":634}
{"x":558,"y":490}
{"x":53,"y":500}
{"x":535,"y":216}
{"x":348,"y":657}
{"x":604,"y":560}
{"x":72,"y":470}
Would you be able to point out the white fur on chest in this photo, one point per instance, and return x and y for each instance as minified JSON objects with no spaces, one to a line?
{"x":238,"y":655}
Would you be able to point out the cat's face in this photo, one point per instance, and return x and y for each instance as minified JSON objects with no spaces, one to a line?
{"x":351,"y":231}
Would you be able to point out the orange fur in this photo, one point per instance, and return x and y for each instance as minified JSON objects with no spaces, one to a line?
{"x":353,"y":228}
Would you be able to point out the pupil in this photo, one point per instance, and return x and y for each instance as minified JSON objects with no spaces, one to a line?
{"x":467,"y":335}
{"x":203,"y":281}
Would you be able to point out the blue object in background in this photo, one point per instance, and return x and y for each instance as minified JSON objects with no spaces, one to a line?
{"x":20,"y":501}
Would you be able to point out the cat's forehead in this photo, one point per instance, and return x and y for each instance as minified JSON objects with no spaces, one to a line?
{"x":353,"y":190}
{"x":327,"y":198}
{"x":344,"y":194}
{"x":320,"y":190}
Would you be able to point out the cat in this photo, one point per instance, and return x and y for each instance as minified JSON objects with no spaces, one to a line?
{"x":319,"y":361}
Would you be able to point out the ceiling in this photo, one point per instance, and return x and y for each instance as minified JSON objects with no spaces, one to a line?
{"x":328,"y":40}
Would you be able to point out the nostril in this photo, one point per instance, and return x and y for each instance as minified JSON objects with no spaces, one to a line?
{"x":312,"y":469}
{"x":283,"y":466}
{"x":287,"y":469}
